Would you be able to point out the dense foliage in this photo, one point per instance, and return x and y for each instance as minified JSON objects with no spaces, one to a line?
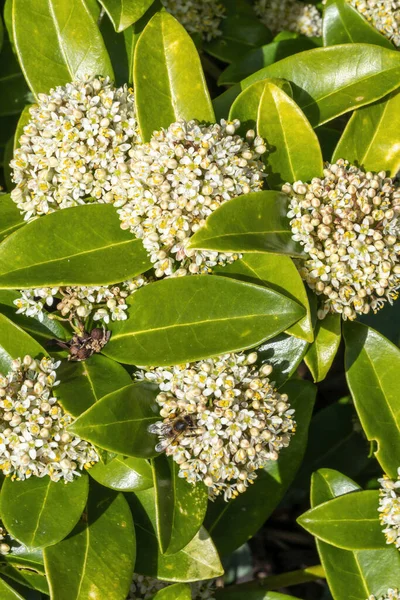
{"x":199,"y":324}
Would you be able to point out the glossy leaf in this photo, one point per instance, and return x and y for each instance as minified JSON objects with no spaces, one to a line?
{"x":197,"y":561}
{"x":282,"y":123}
{"x":254,"y":222}
{"x":177,"y":88}
{"x":23,"y":120}
{"x":40,"y":512}
{"x":371,"y":138}
{"x":177,"y":591}
{"x":84,"y":245}
{"x":173,"y":321}
{"x":261,"y":57}
{"x":329,"y":82}
{"x":15,"y":93}
{"x":124,"y":474}
{"x":241,"y":30}
{"x":372,"y":367}
{"x":8,"y":593}
{"x":117,"y":49}
{"x":279,"y":273}
{"x":180,"y":506}
{"x":15,"y":343}
{"x":56,"y":42}
{"x":123,"y":13}
{"x":320,"y":355}
{"x":119,"y":421}
{"x":84,"y":383}
{"x":10,"y":218}
{"x":232,"y":523}
{"x":333,"y":437}
{"x":350,"y":522}
{"x":25,"y":577}
{"x":41,"y":330}
{"x":97,"y":558}
{"x":363,"y":572}
{"x":284,"y":353}
{"x":343,"y":24}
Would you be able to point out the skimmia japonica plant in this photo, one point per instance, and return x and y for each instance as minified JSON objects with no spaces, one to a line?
{"x":199,"y":314}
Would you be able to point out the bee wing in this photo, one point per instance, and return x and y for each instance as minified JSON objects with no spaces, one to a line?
{"x":155,"y":427}
{"x":163,"y":445}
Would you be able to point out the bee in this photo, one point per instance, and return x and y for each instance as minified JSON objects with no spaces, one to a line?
{"x":171,"y":432}
{"x":84,"y":344}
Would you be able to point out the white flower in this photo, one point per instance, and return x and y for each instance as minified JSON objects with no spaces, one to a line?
{"x":144,"y":588}
{"x":384,"y":15}
{"x":390,"y":595}
{"x":73,"y":149}
{"x":79,"y":302}
{"x":222,"y":420}
{"x":33,"y":436}
{"x":389,"y":508}
{"x":177,"y":180}
{"x":348,"y":223}
{"x":198,"y":16}
{"x":289,"y":15}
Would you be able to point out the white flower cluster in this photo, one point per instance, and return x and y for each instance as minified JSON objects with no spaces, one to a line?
{"x":5,"y":547}
{"x":390,"y":595}
{"x":290,"y":15}
{"x":144,"y":588}
{"x":198,"y":16}
{"x":178,"y":179}
{"x":33,"y":436}
{"x":223,"y":420}
{"x":389,"y":508}
{"x":74,"y":146}
{"x":101,"y":302}
{"x":348,"y":223}
{"x":384,"y":15}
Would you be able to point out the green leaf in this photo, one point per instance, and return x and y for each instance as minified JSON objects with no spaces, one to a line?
{"x":197,"y":561}
{"x":15,"y":343}
{"x":177,"y":87}
{"x":371,"y":138}
{"x":119,"y":421}
{"x":343,"y":24}
{"x":25,"y":577}
{"x":84,"y":245}
{"x":180,"y":506}
{"x":42,"y":331}
{"x":352,"y":574}
{"x":56,"y":42}
{"x":84,"y":383}
{"x":285,"y":128}
{"x":117,"y":49}
{"x":173,"y":321}
{"x":123,"y":14}
{"x":15,"y":93}
{"x":241,"y":30}
{"x":254,"y":222}
{"x":23,"y":120}
{"x":372,"y":371}
{"x":7,"y":592}
{"x":329,"y":82}
{"x":284,"y":353}
{"x":10,"y":218}
{"x":124,"y":474}
{"x":320,"y":355}
{"x":97,"y":559}
{"x":350,"y":522}
{"x":333,"y":437}
{"x":177,"y":591}
{"x":232,"y":523}
{"x":40,"y":512}
{"x":261,"y":57}
{"x":278,"y":272}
